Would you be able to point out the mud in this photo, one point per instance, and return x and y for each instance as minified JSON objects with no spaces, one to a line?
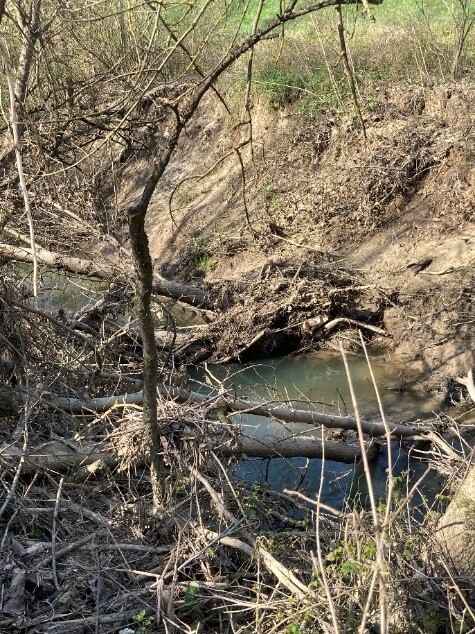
{"x":394,"y":215}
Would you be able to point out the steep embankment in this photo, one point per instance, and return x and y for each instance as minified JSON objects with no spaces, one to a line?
{"x":397,"y":210}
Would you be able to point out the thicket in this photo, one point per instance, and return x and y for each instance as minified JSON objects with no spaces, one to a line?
{"x":99,"y":87}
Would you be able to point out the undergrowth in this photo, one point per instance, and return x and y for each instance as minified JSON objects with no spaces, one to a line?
{"x":82,"y":549}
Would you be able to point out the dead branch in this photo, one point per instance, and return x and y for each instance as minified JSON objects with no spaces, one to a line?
{"x":251,"y":548}
{"x":287,"y":414}
{"x":282,"y":573}
{"x":15,"y":128}
{"x":186,"y":294}
{"x":58,"y":457}
{"x":318,"y":323}
{"x":296,"y":446}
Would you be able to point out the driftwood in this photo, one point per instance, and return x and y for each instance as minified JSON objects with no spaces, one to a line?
{"x":186,"y":294}
{"x":287,"y":414}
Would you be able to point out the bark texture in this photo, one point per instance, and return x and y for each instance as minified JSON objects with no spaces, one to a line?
{"x":301,"y":446}
{"x":456,"y":530}
{"x":143,"y":268}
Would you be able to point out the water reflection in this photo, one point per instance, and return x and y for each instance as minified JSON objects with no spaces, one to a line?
{"x":318,"y":381}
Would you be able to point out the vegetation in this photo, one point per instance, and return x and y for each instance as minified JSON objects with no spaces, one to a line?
{"x":123,"y":512}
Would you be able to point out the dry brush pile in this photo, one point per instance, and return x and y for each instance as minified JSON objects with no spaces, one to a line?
{"x":288,"y":306}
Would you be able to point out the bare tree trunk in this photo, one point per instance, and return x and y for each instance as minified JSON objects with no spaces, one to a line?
{"x":143,"y":267}
{"x":31,"y":32}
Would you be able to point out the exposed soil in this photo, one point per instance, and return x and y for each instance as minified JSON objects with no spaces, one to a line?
{"x":312,"y":209}
{"x":395,"y":214}
{"x":331,"y":230}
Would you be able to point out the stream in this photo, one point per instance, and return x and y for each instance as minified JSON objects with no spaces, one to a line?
{"x":310,"y":381}
{"x":319,"y":381}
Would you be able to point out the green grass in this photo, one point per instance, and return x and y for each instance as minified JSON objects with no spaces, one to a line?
{"x":410,"y":40}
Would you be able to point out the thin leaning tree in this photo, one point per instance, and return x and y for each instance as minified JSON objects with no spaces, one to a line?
{"x":181,"y":107}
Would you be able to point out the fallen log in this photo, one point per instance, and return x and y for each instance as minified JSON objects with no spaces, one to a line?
{"x":59,"y":457}
{"x":287,"y":414}
{"x":186,"y":294}
{"x":297,"y":446}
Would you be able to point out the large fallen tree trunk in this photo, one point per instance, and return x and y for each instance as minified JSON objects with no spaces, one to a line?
{"x":58,"y":456}
{"x":77,"y":266}
{"x":287,"y":414}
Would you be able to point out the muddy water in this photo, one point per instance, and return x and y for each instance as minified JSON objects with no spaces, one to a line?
{"x":319,"y":381}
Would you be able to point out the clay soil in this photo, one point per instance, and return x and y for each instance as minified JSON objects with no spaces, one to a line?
{"x":317,"y":209}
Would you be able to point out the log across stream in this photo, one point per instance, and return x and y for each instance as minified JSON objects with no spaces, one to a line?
{"x":320,"y":379}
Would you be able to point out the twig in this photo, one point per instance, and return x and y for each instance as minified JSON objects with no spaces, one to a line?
{"x":69,"y":626}
{"x":54,"y":534}
{"x":68,"y":549}
{"x":389,"y":496}
{"x":19,"y":468}
{"x":378,"y":570}
{"x":317,"y":502}
{"x":283,"y":574}
{"x":320,"y":565}
{"x":91,"y":515}
{"x":63,"y":326}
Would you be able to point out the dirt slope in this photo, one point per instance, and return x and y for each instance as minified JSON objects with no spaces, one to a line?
{"x":399,"y":209}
